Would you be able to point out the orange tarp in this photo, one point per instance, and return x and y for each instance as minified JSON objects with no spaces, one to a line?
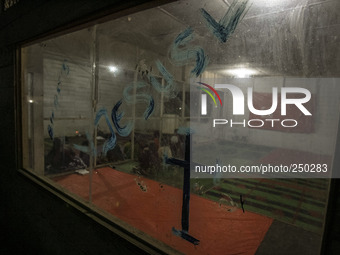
{"x":155,"y":208}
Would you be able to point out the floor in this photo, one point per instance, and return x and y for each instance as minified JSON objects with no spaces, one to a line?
{"x":298,"y":202}
{"x":286,"y":239}
{"x":289,"y":213}
{"x":155,"y":208}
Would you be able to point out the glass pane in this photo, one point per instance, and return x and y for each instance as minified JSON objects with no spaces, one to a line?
{"x":265,"y":50}
{"x":57,"y":108}
{"x":194,"y":85}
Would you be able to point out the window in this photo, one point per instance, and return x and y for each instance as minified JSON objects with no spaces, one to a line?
{"x":111,"y":114}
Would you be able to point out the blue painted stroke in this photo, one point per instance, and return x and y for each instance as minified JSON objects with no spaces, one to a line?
{"x":228,"y":23}
{"x":169,"y":89}
{"x":116,"y":118}
{"x":50,"y":131}
{"x":56,"y":101}
{"x":180,"y":56}
{"x":217,"y":175}
{"x":112,"y":141}
{"x":87,"y":149}
{"x":66,"y":68}
{"x":185,"y":236}
{"x":82,"y":148}
{"x":132,"y":98}
{"x":52,"y":118}
{"x":185,"y":131}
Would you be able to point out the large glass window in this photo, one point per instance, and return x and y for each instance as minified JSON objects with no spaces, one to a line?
{"x":135,"y":115}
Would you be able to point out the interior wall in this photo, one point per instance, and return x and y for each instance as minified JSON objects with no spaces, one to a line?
{"x":75,"y":98}
{"x":320,"y":141}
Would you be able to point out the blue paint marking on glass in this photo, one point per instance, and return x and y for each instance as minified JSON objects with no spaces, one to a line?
{"x":169,"y":89}
{"x":112,"y":141}
{"x":66,"y":67}
{"x":177,"y":162}
{"x":150,"y":109}
{"x":56,"y":103}
{"x":185,"y":236}
{"x":52,"y":118}
{"x":180,"y":56}
{"x":116,"y":118}
{"x":82,"y":148}
{"x":64,"y":70}
{"x":217,"y":175}
{"x":242,"y":203}
{"x":184,"y":233}
{"x":139,"y":97}
{"x":90,"y":149}
{"x":50,"y":131}
{"x":185,"y":131}
{"x":227,"y":25}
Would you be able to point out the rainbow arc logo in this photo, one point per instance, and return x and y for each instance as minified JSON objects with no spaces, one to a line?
{"x":204,"y":97}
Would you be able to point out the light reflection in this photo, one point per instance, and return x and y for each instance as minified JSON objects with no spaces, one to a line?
{"x":112,"y":69}
{"x":241,"y":72}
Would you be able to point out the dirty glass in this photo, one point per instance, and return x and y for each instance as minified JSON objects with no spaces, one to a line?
{"x":57,"y":106}
{"x":137,"y":116}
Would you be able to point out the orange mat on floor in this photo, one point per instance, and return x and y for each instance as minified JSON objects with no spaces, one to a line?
{"x":155,"y":208}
